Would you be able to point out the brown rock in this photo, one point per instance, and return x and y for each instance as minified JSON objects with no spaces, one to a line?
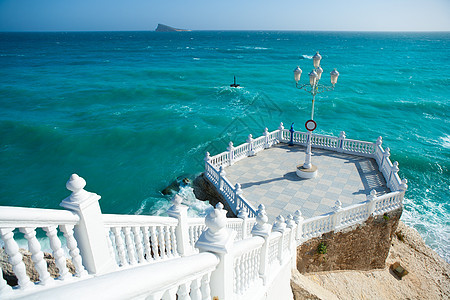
{"x":10,"y":277}
{"x":360,"y":247}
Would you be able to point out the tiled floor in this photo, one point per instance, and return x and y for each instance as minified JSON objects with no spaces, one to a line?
{"x":269,"y":178}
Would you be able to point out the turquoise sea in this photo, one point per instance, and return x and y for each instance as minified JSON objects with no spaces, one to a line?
{"x":132,"y":111}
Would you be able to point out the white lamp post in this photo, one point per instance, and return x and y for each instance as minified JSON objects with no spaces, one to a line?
{"x":308,"y":170}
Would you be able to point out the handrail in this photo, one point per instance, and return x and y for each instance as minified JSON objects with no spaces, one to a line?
{"x":35,"y":217}
{"x":111,"y":220}
{"x":146,"y":281}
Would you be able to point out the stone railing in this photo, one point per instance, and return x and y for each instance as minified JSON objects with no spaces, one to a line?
{"x":154,"y":257}
{"x":183,"y":278}
{"x":26,"y":223}
{"x":101,"y":243}
{"x":344,"y":217}
{"x":233,"y":195}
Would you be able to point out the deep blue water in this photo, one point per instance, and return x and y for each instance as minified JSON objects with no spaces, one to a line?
{"x":132,"y":111}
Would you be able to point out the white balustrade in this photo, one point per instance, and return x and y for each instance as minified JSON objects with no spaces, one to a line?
{"x":196,"y":227}
{"x":26,"y":220}
{"x":246,"y":265}
{"x":129,"y":244}
{"x":259,"y":144}
{"x":325,"y":142}
{"x":173,"y":279}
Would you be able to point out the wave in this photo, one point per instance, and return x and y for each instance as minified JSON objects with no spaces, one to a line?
{"x":196,"y":208}
{"x":445,"y":141}
{"x":304,"y":56}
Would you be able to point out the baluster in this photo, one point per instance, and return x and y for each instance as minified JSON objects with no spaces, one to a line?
{"x":237,"y":275}
{"x":173,"y":238}
{"x":58,"y":252}
{"x":196,"y":294}
{"x":183,"y":292}
{"x":168,"y":241}
{"x":110,"y":245}
{"x":138,"y":243}
{"x":74,"y":252}
{"x":37,"y":255}
{"x":148,"y":253}
{"x":15,"y":257}
{"x":246,"y":271}
{"x":191,"y":235}
{"x":162,"y":242}
{"x":205,"y":288}
{"x":120,"y":245}
{"x":170,"y":294}
{"x":130,"y":246}
{"x":155,"y":244}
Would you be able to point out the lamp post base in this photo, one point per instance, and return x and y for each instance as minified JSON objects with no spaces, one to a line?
{"x":307,"y":173}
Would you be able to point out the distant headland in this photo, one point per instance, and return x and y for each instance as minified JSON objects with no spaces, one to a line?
{"x":165,"y":28}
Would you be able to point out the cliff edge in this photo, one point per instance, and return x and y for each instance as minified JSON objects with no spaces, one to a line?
{"x":165,"y":28}
{"x":428,"y":278}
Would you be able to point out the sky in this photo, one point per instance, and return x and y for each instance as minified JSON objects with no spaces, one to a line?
{"x":118,"y":15}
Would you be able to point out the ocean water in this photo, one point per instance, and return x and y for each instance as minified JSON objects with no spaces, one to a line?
{"x":133,"y":111}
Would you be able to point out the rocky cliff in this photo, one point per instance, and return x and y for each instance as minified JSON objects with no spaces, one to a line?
{"x":428,"y":277}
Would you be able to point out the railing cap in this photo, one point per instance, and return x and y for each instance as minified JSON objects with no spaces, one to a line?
{"x":279,"y":225}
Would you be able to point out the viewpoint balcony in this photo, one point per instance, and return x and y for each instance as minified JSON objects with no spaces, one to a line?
{"x":355,"y":178}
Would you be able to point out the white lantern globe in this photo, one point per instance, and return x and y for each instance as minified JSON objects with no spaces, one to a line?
{"x":334,"y":76}
{"x":319,"y":72}
{"x":297,"y":74}
{"x":312,"y":78}
{"x":316,"y":60}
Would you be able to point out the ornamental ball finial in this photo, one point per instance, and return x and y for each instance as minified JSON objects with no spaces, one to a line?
{"x":75,"y":183}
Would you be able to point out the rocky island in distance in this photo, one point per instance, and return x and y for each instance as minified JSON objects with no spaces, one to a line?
{"x":165,"y":28}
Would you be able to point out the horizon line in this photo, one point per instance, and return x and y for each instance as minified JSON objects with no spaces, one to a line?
{"x":230,"y":30}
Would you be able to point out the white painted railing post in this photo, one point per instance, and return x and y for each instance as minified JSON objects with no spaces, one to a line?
{"x":394,"y":171}
{"x":219,"y":239}
{"x":230,"y":149}
{"x":251,"y":151}
{"x":290,"y":223}
{"x":280,"y":132}
{"x":266,"y":138}
{"x":404,"y":185}
{"x":386,"y":154}
{"x":280,"y":226}
{"x":237,"y":193}
{"x":222,"y":174}
{"x":179,"y":211}
{"x":207,"y":160}
{"x":90,"y":231}
{"x":298,"y":219}
{"x":337,"y":214}
{"x":342,"y":137}
{"x":243,"y":214}
{"x":262,"y":229}
{"x":371,"y":201}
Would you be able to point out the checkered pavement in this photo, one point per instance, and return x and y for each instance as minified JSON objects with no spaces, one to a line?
{"x":269,"y":178}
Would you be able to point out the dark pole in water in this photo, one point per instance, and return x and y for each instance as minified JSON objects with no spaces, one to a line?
{"x":234,"y":84}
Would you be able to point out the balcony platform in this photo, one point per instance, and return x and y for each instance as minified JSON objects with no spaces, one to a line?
{"x":269,"y":178}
